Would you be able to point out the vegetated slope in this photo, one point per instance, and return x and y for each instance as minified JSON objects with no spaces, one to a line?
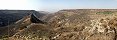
{"x":73,"y":26}
{"x":70,"y":25}
{"x":81,"y":26}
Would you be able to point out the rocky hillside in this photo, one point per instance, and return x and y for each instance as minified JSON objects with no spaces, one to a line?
{"x":11,"y":16}
{"x":74,"y":24}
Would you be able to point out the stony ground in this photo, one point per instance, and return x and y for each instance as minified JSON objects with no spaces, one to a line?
{"x":65,"y":25}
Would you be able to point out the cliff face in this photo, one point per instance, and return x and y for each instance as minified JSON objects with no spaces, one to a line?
{"x":35,"y":19}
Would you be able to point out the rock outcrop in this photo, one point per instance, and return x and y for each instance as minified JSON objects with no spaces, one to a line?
{"x":35,"y":19}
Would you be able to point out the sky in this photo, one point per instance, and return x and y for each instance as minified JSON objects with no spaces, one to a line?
{"x":55,"y":5}
{"x":19,"y":4}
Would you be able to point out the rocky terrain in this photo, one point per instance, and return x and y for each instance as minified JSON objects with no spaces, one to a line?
{"x":69,"y":24}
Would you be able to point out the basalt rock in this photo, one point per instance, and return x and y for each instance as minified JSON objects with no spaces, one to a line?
{"x":34,"y":19}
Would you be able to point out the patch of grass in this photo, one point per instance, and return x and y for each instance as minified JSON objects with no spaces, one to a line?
{"x":5,"y":36}
{"x":105,"y":12}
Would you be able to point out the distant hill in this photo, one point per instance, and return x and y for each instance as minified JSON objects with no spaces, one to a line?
{"x":11,"y":16}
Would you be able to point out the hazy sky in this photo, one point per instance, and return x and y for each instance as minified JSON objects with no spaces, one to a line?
{"x":20,"y":4}
{"x":54,"y":5}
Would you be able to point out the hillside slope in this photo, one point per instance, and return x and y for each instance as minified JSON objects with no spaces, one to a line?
{"x":75,"y":24}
